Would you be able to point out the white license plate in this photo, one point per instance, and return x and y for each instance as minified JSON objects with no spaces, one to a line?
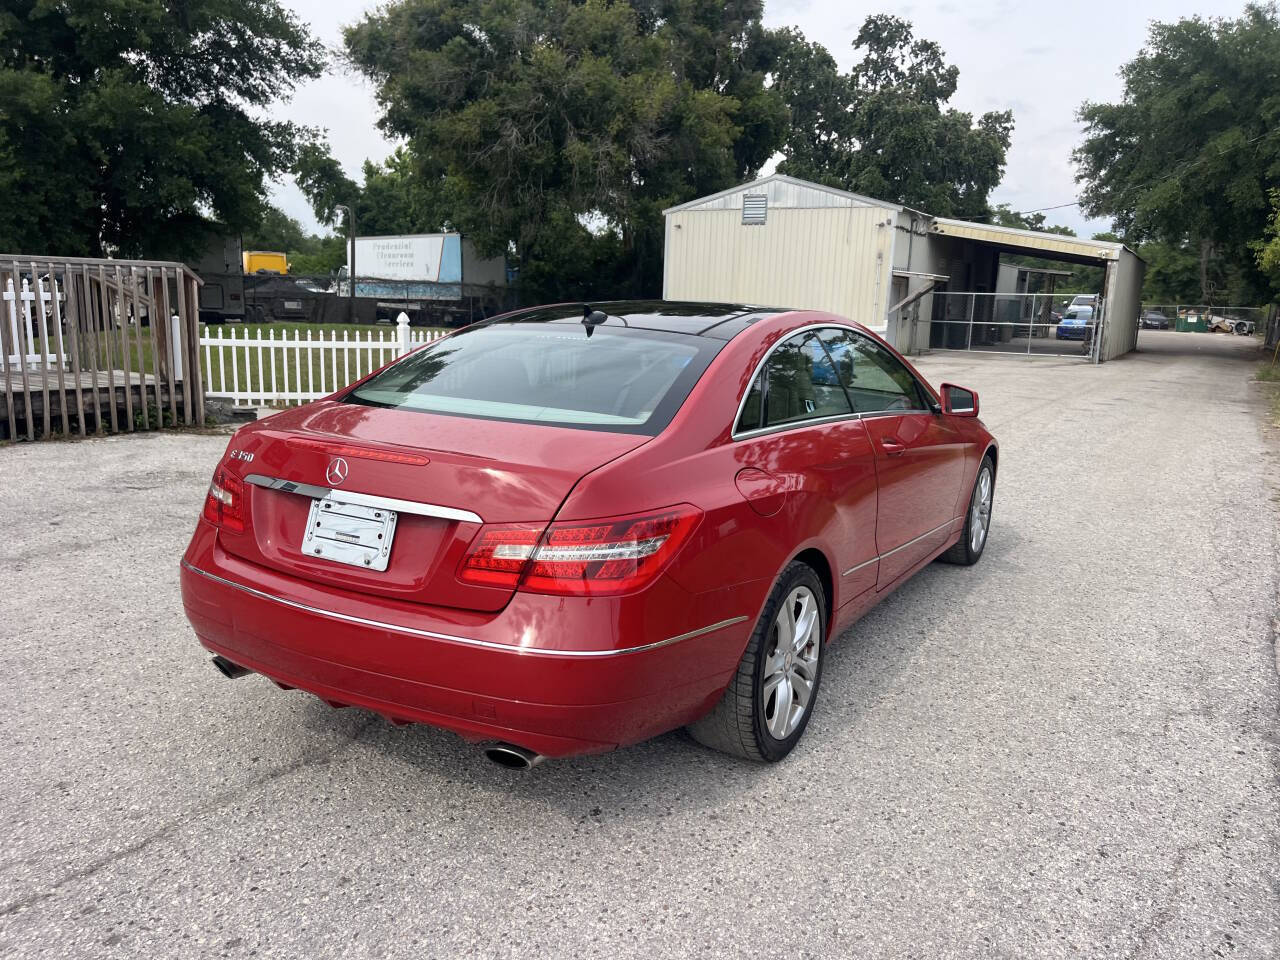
{"x":349,"y":533}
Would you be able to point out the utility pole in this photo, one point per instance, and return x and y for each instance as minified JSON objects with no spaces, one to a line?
{"x":351,"y":260}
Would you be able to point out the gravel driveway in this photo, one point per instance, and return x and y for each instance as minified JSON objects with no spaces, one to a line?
{"x":1069,"y":750}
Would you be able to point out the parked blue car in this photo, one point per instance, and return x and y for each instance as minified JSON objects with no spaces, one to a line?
{"x":1075,"y":323}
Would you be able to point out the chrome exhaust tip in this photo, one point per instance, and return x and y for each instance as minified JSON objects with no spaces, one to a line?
{"x":512,"y":757}
{"x":228,"y":669}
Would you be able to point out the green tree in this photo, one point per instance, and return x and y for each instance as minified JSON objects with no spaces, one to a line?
{"x":1002,"y":215}
{"x":1173,"y":273}
{"x":524,"y":118}
{"x":393,"y":199}
{"x":275,"y":231}
{"x":318,"y":256}
{"x":884,"y":129}
{"x":1186,"y":158}
{"x":125,"y":123}
{"x":1268,"y":248}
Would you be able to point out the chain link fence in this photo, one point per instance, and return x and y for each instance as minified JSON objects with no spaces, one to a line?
{"x":1035,"y":324}
{"x":1203,"y":318}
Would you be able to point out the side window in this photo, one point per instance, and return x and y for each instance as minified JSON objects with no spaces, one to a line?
{"x":752,"y":409}
{"x":875,"y":379}
{"x":797,"y":383}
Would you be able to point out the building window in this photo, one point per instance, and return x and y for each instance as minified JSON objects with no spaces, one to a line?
{"x":754,"y":208}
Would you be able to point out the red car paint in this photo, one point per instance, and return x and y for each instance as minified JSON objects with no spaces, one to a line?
{"x":868,"y":501}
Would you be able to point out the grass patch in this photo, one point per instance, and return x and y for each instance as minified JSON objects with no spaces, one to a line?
{"x":1269,"y":373}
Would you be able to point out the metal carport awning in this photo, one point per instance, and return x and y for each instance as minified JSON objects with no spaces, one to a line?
{"x":1051,"y":246}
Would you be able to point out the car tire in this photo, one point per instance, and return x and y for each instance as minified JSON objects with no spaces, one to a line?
{"x":968,"y":549}
{"x":746,"y":722}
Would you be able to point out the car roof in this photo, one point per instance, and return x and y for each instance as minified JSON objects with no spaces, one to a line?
{"x":719,"y":321}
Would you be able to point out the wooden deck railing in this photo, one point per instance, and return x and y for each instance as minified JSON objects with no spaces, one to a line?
{"x":87,"y":345}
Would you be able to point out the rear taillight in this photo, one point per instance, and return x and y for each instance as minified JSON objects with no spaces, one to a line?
{"x":224,"y":506}
{"x":607,"y":556}
{"x":499,"y":555}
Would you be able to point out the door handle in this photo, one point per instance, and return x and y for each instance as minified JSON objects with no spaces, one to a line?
{"x":893,"y":448}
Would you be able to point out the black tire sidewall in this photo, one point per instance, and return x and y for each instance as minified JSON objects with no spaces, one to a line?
{"x":796,"y":575}
{"x":974,"y":555}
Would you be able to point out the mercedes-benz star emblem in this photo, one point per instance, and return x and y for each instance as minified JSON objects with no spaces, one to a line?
{"x":337,"y":471}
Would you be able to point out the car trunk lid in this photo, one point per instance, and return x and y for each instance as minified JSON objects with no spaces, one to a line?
{"x":411,"y":464}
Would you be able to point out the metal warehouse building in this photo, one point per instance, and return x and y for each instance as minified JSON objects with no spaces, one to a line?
{"x":918,"y":280}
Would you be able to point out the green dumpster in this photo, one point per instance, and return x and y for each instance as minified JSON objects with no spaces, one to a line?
{"x":1192,"y":323}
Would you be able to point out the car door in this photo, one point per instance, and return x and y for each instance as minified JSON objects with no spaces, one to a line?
{"x":919,"y":453}
{"x":797,"y":432}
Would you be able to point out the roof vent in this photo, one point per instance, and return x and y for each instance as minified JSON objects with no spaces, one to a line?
{"x":755,"y":206}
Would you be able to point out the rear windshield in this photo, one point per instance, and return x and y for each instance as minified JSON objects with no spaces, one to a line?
{"x":618,"y":380}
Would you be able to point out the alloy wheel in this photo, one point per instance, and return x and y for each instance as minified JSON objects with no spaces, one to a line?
{"x":791,"y":663}
{"x":980,"y":511}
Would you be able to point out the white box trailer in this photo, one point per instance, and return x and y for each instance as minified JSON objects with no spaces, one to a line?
{"x":435,"y":278}
{"x":423,"y":266}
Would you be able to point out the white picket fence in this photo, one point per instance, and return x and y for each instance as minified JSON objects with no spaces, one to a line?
{"x":253,"y":367}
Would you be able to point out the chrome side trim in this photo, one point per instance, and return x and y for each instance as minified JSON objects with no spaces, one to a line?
{"x":864,"y":563}
{"x":691,"y":634}
{"x":364,"y":499}
{"x":890,"y":553}
{"x":450,"y":638}
{"x":914,"y":540}
{"x":836,"y":418}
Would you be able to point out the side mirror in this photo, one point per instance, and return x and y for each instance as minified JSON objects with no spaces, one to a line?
{"x":958,"y":401}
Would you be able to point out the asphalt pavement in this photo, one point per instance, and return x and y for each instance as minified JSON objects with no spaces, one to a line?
{"x":1069,"y":750}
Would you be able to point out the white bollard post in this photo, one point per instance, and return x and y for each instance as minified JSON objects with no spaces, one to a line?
{"x":175,"y":345}
{"x":402,"y":327}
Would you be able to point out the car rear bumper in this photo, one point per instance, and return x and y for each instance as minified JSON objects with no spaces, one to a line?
{"x":476,"y":675}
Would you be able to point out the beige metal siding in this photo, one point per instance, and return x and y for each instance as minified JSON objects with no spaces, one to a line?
{"x":834,"y":259}
{"x":1124,"y":300}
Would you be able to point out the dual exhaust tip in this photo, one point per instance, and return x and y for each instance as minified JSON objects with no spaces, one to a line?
{"x":506,"y":755}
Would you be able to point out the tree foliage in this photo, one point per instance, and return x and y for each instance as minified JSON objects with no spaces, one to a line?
{"x":1268,"y":248}
{"x":1002,"y":215}
{"x":124,"y":124}
{"x":523,"y":117}
{"x":1187,"y":156}
{"x":276,"y":230}
{"x":392,"y":199}
{"x":884,"y":129}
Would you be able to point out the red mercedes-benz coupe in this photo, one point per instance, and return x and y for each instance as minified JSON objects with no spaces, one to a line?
{"x":571,"y":528}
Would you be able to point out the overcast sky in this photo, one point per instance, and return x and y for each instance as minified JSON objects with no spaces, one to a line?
{"x":1038,"y":59}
